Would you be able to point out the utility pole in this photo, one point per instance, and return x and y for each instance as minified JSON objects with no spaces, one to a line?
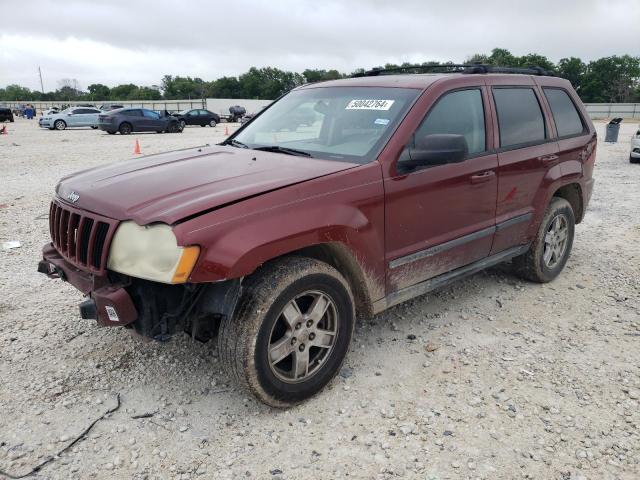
{"x":41,"y":84}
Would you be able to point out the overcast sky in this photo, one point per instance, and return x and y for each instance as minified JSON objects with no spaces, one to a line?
{"x":138,"y":41}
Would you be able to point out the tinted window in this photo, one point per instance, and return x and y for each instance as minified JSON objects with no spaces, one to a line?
{"x":564,"y":112}
{"x":150,"y":114}
{"x":132,"y":113}
{"x":459,"y":113}
{"x":519,"y":116}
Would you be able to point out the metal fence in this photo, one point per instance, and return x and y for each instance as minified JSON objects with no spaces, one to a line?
{"x":169,"y":105}
{"x":613,"y":110}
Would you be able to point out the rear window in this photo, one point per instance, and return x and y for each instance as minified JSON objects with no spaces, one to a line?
{"x":565,"y":114}
{"x":520,"y":117}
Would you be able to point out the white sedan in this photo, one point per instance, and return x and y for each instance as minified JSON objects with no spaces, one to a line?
{"x":634,"y":156}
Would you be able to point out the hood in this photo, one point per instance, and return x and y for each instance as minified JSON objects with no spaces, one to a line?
{"x":174,"y":185}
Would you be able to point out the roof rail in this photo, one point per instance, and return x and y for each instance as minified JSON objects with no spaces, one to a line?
{"x":473,"y":68}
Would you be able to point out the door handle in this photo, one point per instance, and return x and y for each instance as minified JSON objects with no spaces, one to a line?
{"x":483,"y":177}
{"x":547,"y":159}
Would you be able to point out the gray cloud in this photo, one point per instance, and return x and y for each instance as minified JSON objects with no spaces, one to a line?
{"x":139,"y":41}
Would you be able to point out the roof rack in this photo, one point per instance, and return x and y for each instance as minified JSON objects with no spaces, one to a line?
{"x":473,"y":68}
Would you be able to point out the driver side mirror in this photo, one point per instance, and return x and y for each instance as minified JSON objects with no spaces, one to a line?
{"x":436,"y":149}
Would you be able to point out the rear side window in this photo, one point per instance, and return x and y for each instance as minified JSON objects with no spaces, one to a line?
{"x":565,"y":114}
{"x":132,"y":113}
{"x":460,"y":113}
{"x":520,"y":117}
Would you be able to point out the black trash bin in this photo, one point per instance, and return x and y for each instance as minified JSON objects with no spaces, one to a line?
{"x":613,"y":128}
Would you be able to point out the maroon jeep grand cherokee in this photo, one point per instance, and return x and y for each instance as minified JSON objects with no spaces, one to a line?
{"x":278,"y":237}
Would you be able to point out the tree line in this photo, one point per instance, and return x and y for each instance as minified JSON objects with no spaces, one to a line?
{"x":608,"y":79}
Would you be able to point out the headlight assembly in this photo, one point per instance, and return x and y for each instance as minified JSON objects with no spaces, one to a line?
{"x":151,"y":252}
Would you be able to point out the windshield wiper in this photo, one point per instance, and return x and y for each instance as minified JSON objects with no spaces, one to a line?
{"x":236,"y":143}
{"x":287,"y":150}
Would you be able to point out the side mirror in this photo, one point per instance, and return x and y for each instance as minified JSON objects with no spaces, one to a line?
{"x":436,"y":149}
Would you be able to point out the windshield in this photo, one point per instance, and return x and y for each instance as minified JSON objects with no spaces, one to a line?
{"x":336,"y":123}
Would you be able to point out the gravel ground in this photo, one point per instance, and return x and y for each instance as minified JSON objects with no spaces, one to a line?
{"x":491,"y":378}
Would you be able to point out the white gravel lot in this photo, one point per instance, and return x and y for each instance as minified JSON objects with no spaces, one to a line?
{"x":492,"y":378}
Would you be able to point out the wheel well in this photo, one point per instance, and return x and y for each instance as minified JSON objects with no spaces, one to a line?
{"x":572,"y":193}
{"x":340,"y":258}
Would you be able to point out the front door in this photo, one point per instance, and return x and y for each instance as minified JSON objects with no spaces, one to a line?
{"x":442,"y":217}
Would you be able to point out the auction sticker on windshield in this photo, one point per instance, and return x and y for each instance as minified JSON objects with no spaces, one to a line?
{"x":369,"y":105}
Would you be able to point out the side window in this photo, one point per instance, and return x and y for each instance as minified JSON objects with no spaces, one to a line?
{"x":460,"y":113}
{"x":132,"y":113}
{"x":150,"y":114}
{"x":565,"y":114}
{"x":520,"y":117}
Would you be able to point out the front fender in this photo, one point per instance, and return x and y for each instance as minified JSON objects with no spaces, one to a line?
{"x":346,"y":208}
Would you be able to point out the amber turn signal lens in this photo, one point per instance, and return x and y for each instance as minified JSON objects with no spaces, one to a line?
{"x":186,"y":264}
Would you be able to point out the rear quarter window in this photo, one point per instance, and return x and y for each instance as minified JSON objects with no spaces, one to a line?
{"x":565,"y":114}
{"x":520,"y":118}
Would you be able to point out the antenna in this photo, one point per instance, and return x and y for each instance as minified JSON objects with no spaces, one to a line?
{"x":41,"y":84}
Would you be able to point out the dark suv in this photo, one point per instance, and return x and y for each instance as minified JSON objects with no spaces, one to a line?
{"x":275,"y":240}
{"x":127,"y":120}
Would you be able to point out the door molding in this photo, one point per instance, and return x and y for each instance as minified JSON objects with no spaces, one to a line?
{"x":456,"y":242}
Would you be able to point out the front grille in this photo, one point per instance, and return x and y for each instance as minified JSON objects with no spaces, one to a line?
{"x":81,"y":237}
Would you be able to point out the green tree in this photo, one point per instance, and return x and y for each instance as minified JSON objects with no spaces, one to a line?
{"x":122,"y":92}
{"x":315,"y":75}
{"x":99,"y":91}
{"x":611,"y":79}
{"x":225,"y":87}
{"x":268,"y":83}
{"x":572,"y":69}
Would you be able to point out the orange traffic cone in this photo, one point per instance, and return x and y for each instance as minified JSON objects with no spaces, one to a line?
{"x":226,"y":131}
{"x":136,"y":148}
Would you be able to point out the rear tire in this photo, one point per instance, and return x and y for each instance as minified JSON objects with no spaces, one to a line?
{"x":125,"y":128}
{"x":309,"y":343}
{"x":551,"y":247}
{"x":633,"y":160}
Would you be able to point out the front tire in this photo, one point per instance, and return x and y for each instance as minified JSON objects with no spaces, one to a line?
{"x":212,"y":123}
{"x":59,"y":125}
{"x":551,"y":247}
{"x":291,"y":330}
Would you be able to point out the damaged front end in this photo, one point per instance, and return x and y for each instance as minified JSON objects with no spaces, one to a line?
{"x":80,"y":254}
{"x":152,"y":309}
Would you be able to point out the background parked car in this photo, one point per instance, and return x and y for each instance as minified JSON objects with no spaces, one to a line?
{"x":71,"y":117}
{"x":110,"y":106}
{"x":197,"y":116}
{"x":51,"y":111}
{"x":127,"y":120}
{"x":6,"y":114}
{"x":634,"y":156}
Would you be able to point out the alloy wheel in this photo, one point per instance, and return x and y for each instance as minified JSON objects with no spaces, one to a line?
{"x":303,"y":337}
{"x":555,"y":241}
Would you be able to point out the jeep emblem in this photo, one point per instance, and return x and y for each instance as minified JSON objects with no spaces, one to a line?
{"x":73,"y":197}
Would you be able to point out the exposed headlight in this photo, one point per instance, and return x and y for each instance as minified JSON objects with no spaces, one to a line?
{"x":151,"y":252}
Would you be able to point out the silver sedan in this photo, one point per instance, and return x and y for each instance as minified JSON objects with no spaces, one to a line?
{"x":71,"y":117}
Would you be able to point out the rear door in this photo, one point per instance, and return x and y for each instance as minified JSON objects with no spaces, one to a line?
{"x":572,"y":131}
{"x":526,"y":153}
{"x":135,"y":118}
{"x":442,"y":217}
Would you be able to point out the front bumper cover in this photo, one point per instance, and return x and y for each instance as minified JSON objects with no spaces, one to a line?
{"x":108,"y":303}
